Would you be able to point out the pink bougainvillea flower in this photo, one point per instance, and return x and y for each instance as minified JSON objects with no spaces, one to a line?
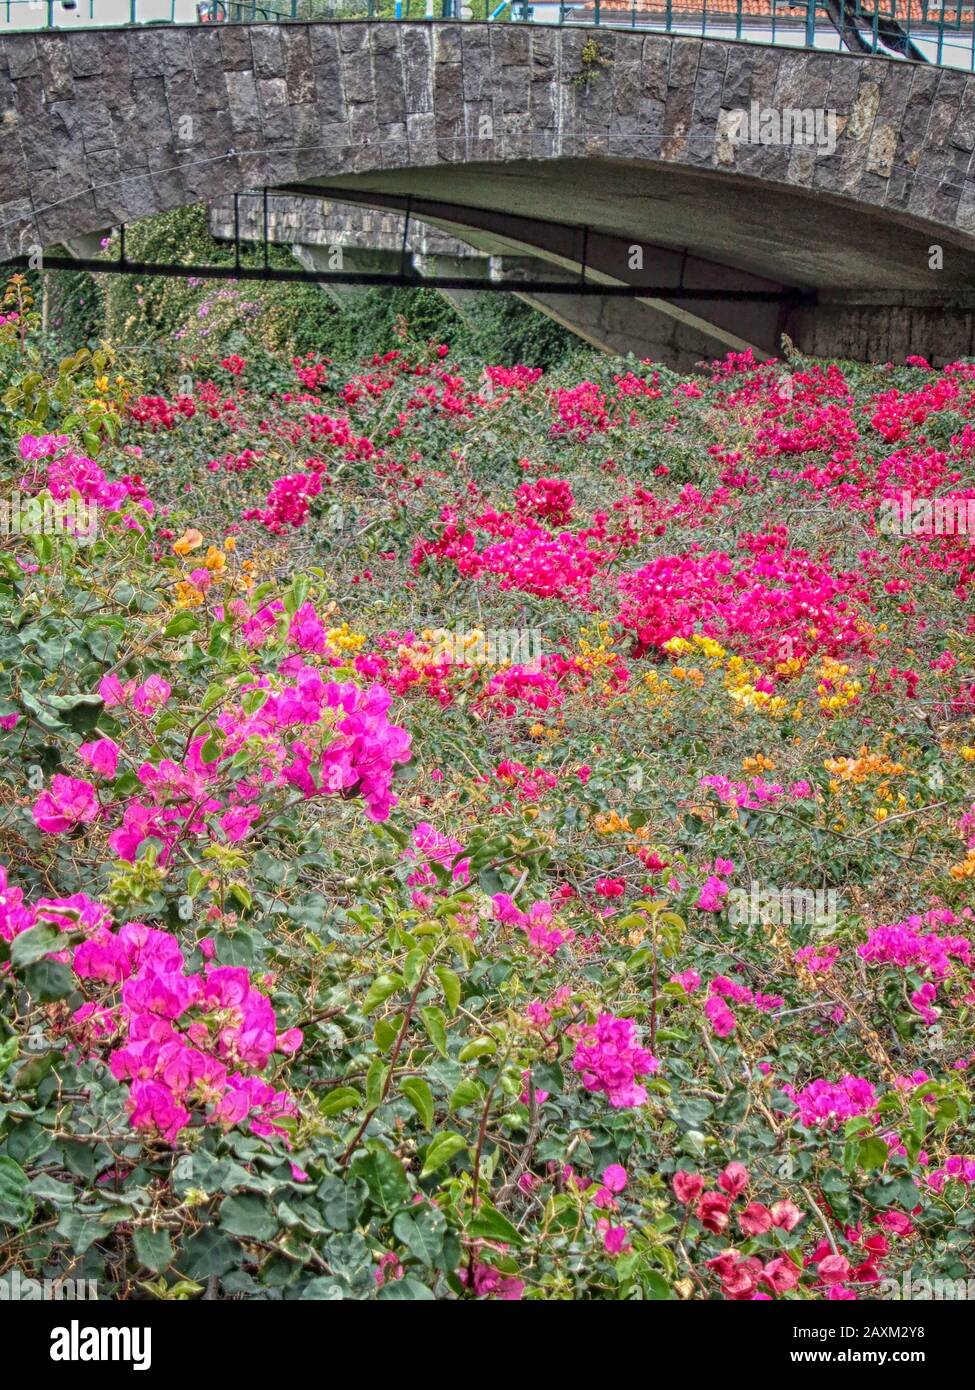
{"x":687,"y":1186}
{"x":833,"y":1269}
{"x":734,"y":1179}
{"x":786,"y":1214}
{"x":70,"y":802}
{"x":609,"y":1059}
{"x":712,"y":1211}
{"x":490,"y":1283}
{"x":101,"y":756}
{"x":614,"y":1177}
{"x":614,"y":1237}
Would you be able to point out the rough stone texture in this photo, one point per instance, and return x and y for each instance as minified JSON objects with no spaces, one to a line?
{"x":87,"y":109}
{"x":113,"y":125}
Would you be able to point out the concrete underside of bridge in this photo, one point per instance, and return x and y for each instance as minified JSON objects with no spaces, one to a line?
{"x":327,"y":236}
{"x":866,"y":287}
{"x":513,"y":140}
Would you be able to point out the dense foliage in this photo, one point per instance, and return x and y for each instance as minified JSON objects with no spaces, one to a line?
{"x":407,"y":781}
{"x":278,"y":317}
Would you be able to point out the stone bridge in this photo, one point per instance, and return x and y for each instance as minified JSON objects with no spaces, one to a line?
{"x":605,"y":150}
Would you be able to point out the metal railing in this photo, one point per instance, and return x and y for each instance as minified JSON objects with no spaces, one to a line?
{"x":20,"y":15}
{"x":941,"y":32}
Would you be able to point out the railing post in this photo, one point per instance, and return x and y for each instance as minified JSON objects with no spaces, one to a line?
{"x":132,"y":11}
{"x":810,"y":23}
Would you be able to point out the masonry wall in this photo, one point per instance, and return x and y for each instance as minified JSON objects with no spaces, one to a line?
{"x":111,"y":125}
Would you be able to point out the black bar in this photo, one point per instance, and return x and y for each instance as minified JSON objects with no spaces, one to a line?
{"x":434,"y":282}
{"x":406,"y":234}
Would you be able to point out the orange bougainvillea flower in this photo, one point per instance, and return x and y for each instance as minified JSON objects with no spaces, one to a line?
{"x":215,"y":560}
{"x":189,"y":540}
{"x":188,"y":595}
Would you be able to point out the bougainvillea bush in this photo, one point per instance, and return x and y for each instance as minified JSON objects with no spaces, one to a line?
{"x":476,"y":834}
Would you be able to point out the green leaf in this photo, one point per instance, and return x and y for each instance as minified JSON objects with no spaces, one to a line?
{"x":295,"y":596}
{"x":490,"y":882}
{"x":441,"y":1151}
{"x":254,"y":700}
{"x":488,"y":1224}
{"x":80,"y":712}
{"x":16,"y":1203}
{"x":248,"y":1216}
{"x":477,"y":1047}
{"x":181,"y":624}
{"x":341,"y":1202}
{"x":81,"y":1229}
{"x":385,"y":1178}
{"x":8,"y":1053}
{"x":469,"y":1092}
{"x":420,"y":1096}
{"x":32,"y":1073}
{"x":450,"y":984}
{"x":35,"y":943}
{"x":324,"y":1290}
{"x":47,"y":1189}
{"x":655,"y":1286}
{"x":243,"y":895}
{"x":153,"y":1249}
{"x":450,"y":905}
{"x":210,"y":752}
{"x":436,"y":1027}
{"x":386,"y":1031}
{"x":342,"y":1098}
{"x":380,"y":990}
{"x":872,"y":1153}
{"x":48,"y":980}
{"x":209,"y":1252}
{"x":413,"y":967}
{"x":407,"y":1290}
{"x":375,"y":1081}
{"x":422,"y":1231}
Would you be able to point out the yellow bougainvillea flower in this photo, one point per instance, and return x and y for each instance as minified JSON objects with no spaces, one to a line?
{"x":189,"y":540}
{"x":343,"y":639}
{"x":760,"y":763}
{"x":188,"y":595}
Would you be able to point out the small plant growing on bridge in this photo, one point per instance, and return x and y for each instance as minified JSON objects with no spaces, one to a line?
{"x":593,"y":59}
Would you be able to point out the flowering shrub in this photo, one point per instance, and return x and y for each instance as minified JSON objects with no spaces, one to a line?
{"x":350,"y":951}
